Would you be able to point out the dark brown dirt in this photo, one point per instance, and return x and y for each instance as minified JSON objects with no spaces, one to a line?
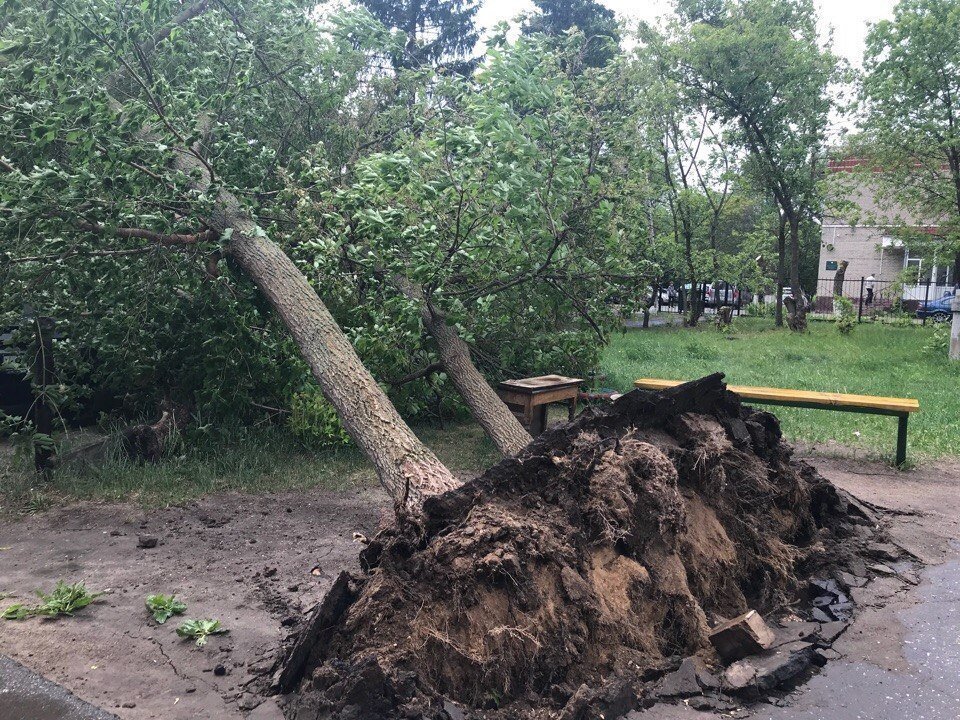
{"x":565,"y":579}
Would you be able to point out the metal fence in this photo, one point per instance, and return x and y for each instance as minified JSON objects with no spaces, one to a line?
{"x":710,"y":298}
{"x":874,"y":299}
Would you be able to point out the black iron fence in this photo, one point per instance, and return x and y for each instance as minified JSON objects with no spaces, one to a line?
{"x":874,"y":299}
{"x":871,"y":299}
{"x":709,"y":298}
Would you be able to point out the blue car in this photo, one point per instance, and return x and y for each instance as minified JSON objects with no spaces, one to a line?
{"x":936,"y":310}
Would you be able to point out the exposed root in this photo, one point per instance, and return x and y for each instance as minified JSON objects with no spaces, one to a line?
{"x":565,"y":578}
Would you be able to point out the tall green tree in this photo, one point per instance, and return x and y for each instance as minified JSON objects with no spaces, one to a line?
{"x":911,"y":88}
{"x":763,"y":69}
{"x":438,"y":32}
{"x":597,"y":22}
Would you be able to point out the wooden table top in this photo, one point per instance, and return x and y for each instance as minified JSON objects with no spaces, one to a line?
{"x":541,"y":383}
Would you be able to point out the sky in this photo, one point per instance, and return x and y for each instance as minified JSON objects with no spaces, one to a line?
{"x":848,"y":18}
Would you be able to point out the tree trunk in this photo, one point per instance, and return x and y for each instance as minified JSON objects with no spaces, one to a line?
{"x":43,"y":375}
{"x":838,"y":278}
{"x":406,"y":467}
{"x":501,"y":426}
{"x":797,"y":318}
{"x":781,"y":261}
{"x":838,"y":285}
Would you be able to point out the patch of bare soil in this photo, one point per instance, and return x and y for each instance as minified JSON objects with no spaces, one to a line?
{"x":566,"y":581}
{"x":254,"y":562}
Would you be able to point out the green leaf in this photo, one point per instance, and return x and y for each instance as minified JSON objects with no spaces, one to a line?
{"x":163,"y":607}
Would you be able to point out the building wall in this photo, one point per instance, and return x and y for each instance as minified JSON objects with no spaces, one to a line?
{"x":861,"y":247}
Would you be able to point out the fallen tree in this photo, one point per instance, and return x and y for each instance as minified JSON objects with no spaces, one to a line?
{"x":566,"y":578}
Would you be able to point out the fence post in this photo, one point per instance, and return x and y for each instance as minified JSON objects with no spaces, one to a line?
{"x":926,"y":299}
{"x":863,"y":282}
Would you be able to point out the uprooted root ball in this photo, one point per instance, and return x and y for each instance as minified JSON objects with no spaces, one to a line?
{"x":562,"y":578}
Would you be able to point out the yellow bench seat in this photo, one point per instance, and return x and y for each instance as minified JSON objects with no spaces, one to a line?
{"x":870,"y":404}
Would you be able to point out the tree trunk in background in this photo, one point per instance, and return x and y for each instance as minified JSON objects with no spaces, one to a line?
{"x":838,"y":278}
{"x":797,"y":316}
{"x":838,"y":285}
{"x":781,"y":261}
{"x":500,"y":424}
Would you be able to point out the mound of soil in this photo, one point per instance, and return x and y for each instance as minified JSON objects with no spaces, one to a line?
{"x":567,"y":578}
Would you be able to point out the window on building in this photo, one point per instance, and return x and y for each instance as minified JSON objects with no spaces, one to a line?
{"x":918,"y":266}
{"x":943,"y":275}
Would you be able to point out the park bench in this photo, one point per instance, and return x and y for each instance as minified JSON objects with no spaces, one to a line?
{"x":868,"y":404}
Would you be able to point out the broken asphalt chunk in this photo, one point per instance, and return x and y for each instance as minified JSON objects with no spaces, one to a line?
{"x":770,"y":669}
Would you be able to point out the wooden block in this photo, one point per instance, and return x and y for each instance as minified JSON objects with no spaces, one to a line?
{"x":745,"y":635}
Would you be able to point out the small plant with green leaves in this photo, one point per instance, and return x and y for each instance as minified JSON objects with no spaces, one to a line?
{"x":846,"y":315}
{"x":17,"y":611}
{"x":200,"y":630}
{"x":164,"y":607}
{"x":64,"y":600}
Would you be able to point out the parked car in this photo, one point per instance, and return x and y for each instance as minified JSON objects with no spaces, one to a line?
{"x":717,"y":294}
{"x":937,"y":310}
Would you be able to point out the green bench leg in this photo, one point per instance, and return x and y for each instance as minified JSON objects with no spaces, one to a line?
{"x":902,"y":440}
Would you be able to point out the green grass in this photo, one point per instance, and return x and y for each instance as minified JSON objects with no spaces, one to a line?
{"x":874,"y":360}
{"x":260,"y":460}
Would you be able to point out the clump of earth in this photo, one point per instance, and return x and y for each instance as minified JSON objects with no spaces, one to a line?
{"x":567,"y":581}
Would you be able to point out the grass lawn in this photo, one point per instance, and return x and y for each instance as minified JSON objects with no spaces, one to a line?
{"x":259,"y":460}
{"x":874,"y":360}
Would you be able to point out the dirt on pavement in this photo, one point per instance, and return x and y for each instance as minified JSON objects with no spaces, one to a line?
{"x":253,"y":562}
{"x":250,"y":561}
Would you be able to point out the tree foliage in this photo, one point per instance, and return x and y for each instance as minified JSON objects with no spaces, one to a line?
{"x":911,"y":86}
{"x":436,"y":31}
{"x":762,"y":67}
{"x":597,"y":23}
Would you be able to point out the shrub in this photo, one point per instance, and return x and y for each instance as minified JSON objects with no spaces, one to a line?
{"x":939,"y":342}
{"x":846,"y":315}
{"x":314,"y":420}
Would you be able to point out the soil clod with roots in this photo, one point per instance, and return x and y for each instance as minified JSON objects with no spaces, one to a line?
{"x":563,"y":581}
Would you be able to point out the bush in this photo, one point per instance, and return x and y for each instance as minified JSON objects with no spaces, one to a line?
{"x":314,"y":420}
{"x":939,"y":342}
{"x":846,"y":315}
{"x":760,"y":309}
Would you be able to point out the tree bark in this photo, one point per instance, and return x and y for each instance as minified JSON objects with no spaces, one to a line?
{"x":781,"y":261}
{"x":406,"y":467}
{"x":501,"y":426}
{"x":839,"y":277}
{"x":43,"y":375}
{"x":797,"y":317}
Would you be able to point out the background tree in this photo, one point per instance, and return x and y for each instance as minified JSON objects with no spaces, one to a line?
{"x":911,"y":89}
{"x":597,"y":23}
{"x":437,"y":32}
{"x":761,"y":66}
